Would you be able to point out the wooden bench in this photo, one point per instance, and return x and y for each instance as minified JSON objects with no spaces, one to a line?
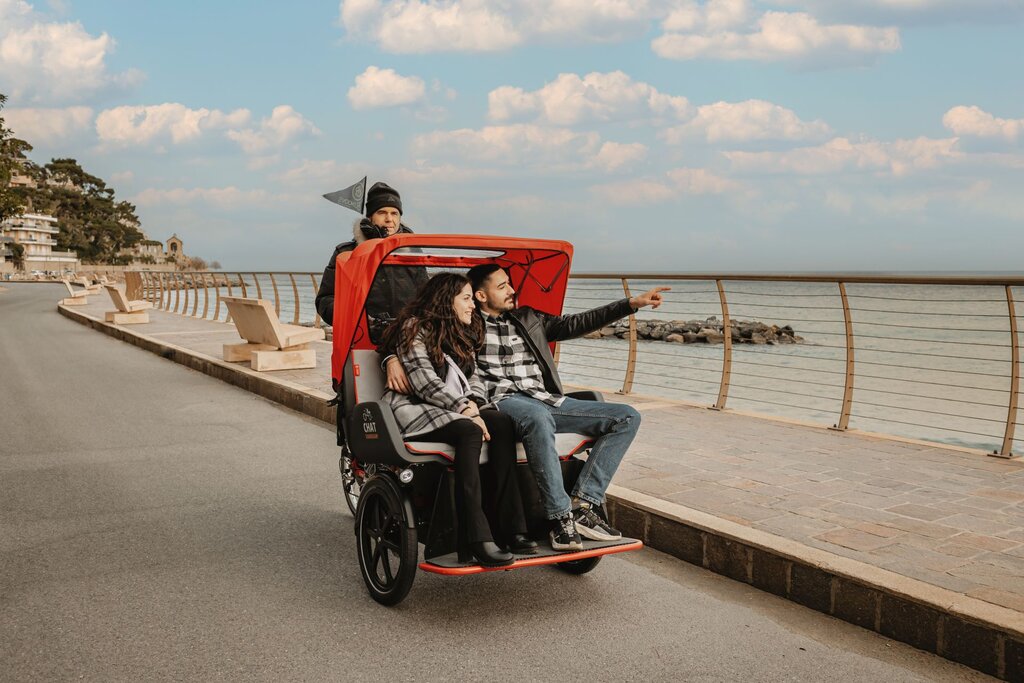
{"x":89,"y":286}
{"x":269,"y":343}
{"x":76,"y":297}
{"x":128,"y":312}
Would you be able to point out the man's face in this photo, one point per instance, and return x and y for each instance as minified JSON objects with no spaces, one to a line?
{"x":388,"y":218}
{"x":496,"y":295}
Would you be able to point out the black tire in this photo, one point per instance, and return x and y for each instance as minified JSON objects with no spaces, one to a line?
{"x":578,"y":567}
{"x":386,"y":546}
{"x":351,"y":485}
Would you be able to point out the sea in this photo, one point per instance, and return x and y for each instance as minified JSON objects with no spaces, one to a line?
{"x":931,"y":362}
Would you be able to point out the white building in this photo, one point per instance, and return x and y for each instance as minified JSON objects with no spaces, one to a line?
{"x":37,"y":233}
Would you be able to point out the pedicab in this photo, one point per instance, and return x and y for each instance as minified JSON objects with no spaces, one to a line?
{"x":401,"y":493}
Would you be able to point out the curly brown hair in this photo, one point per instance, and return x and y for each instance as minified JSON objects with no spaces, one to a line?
{"x":432,"y":314}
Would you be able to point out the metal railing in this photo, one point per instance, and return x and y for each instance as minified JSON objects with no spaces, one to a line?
{"x":930,"y":358}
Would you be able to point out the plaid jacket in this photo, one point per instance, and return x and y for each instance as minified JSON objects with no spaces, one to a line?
{"x":507,"y":365}
{"x":431,"y":405}
{"x":538,"y":329}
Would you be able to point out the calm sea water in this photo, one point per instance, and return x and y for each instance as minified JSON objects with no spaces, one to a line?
{"x":931,"y":362}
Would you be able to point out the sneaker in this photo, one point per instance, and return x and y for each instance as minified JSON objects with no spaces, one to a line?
{"x":590,"y":525}
{"x":564,"y":535}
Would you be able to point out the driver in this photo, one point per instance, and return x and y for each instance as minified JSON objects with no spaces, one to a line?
{"x":393,"y":286}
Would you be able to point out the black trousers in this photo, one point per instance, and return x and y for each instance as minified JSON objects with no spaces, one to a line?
{"x":468,"y":440}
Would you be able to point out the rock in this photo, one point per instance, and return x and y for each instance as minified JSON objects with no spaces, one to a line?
{"x":758,"y":339}
{"x":689,"y":337}
{"x":676,"y":338}
{"x":608,"y":331}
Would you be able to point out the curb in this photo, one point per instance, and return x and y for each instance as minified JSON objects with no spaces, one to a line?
{"x":966,"y":630}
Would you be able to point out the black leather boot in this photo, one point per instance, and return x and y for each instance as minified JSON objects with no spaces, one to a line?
{"x":523,"y":545}
{"x":488,"y":554}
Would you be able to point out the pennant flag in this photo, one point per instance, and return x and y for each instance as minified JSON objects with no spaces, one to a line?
{"x":351,"y":197}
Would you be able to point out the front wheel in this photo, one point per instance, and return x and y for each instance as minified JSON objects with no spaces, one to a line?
{"x":578,"y":567}
{"x":386,"y":545}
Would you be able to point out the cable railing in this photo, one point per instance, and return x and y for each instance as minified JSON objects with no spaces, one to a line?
{"x":927,"y":358}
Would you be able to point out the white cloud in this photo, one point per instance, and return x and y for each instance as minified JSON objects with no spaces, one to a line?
{"x":418,"y":26}
{"x":123,"y":177}
{"x":907,"y":12}
{"x":520,"y":144}
{"x":839,"y":155}
{"x":615,"y":155}
{"x":51,"y":62}
{"x":282,"y":127}
{"x":378,"y":87}
{"x":158,"y":123}
{"x":222,"y":197}
{"x":695,"y":181}
{"x":570,"y":99}
{"x":746,"y":121}
{"x":779,"y":36}
{"x":679,"y":182}
{"x":711,"y":16}
{"x":976,"y":122}
{"x":43,"y":126}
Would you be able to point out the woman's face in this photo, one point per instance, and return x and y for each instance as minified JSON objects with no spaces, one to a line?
{"x":463,"y":304}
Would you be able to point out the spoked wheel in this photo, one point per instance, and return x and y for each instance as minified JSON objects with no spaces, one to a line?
{"x":386,"y":545}
{"x":351,"y":483}
{"x":578,"y":567}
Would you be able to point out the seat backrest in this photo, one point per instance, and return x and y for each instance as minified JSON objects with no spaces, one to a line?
{"x":367,"y":375}
{"x":118,"y":298}
{"x":255,"y":320}
{"x":68,"y":285}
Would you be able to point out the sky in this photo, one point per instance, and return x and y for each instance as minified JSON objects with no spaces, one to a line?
{"x":655,"y":135}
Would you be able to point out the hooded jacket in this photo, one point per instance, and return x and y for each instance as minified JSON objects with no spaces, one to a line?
{"x":393,"y":287}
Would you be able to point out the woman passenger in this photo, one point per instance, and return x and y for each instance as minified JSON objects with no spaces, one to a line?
{"x":436,"y":337}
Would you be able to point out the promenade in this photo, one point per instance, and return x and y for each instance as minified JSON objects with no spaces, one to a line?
{"x":843,"y":523}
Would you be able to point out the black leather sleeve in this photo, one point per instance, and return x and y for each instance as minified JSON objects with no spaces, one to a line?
{"x":562,"y":327}
{"x":325,"y":295}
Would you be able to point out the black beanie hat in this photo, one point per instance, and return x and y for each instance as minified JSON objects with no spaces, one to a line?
{"x":381,"y":195}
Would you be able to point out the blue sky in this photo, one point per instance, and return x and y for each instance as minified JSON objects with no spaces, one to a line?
{"x":671,"y":135}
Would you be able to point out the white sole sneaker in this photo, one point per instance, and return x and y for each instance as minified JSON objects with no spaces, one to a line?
{"x":572,"y":545}
{"x":595,"y":534}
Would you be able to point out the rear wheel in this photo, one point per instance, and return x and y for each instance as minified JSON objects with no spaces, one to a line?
{"x":351,"y":483}
{"x":386,"y":545}
{"x":578,"y":567}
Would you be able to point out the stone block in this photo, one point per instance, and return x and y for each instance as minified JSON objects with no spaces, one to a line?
{"x":75,"y":301}
{"x":910,"y":623}
{"x":678,"y":540}
{"x":769,"y":572}
{"x":134,"y":318}
{"x":236,"y":353}
{"x":811,"y":587}
{"x":971,"y":645}
{"x":856,"y":604}
{"x":1014,"y":659}
{"x":263,"y":361}
{"x":728,"y":558}
{"x":630,"y":521}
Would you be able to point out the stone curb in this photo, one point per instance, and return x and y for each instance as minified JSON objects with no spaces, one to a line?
{"x":975,"y":633}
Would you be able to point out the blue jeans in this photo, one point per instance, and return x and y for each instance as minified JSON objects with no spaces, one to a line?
{"x":615,"y":425}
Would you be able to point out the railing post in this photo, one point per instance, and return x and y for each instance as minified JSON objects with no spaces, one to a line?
{"x":627,"y":381}
{"x":844,"y":415}
{"x":206,"y":297}
{"x":295,"y":293}
{"x":163,"y":290}
{"x":259,"y":290}
{"x":245,"y":290}
{"x":178,"y":286}
{"x":195,"y":295}
{"x":723,"y":387}
{"x":1011,"y":416}
{"x":227,"y":281}
{"x":317,"y":322}
{"x":277,"y":298}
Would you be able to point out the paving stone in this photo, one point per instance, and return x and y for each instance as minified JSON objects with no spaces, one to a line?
{"x":977,"y":524}
{"x":989,"y":543}
{"x":999,"y":596}
{"x":854,"y":539}
{"x":923,"y":512}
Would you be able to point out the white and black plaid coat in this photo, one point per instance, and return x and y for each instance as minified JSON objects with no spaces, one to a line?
{"x":431,"y":405}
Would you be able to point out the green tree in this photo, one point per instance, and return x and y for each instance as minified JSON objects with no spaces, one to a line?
{"x":12,"y":158}
{"x":18,"y":256}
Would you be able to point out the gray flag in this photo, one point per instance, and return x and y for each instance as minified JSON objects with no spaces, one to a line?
{"x":351,"y":197}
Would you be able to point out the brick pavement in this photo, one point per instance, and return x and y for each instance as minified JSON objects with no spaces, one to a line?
{"x":939,"y":515}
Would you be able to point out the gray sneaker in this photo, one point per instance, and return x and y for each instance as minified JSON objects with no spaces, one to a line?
{"x":564,"y":535}
{"x":591,"y":526}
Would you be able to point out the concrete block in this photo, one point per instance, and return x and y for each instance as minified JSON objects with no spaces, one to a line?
{"x":910,"y":623}
{"x":235,"y":353}
{"x":677,"y":540}
{"x":971,"y":645}
{"x":76,"y":301}
{"x":811,"y":587}
{"x":119,"y":318}
{"x":630,"y":521}
{"x":728,"y":558}
{"x":769,"y":572}
{"x":856,"y":604}
{"x":1014,"y":659}
{"x":263,"y":361}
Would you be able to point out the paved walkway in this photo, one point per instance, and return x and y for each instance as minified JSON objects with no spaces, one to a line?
{"x":942,"y":516}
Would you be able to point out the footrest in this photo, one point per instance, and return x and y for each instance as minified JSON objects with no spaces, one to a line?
{"x":450,"y":566}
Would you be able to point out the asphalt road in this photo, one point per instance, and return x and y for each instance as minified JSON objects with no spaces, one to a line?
{"x":160,"y":525}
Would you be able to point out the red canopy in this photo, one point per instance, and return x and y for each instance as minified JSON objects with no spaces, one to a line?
{"x":539,"y":270}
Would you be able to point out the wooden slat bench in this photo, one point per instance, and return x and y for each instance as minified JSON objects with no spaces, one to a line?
{"x":76,"y":297}
{"x":128,"y":312}
{"x":269,"y":343}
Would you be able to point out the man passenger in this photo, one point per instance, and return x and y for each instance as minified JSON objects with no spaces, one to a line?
{"x":519,"y":375}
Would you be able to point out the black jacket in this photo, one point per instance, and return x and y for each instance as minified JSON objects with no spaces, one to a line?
{"x":540,"y":328}
{"x":393,"y":287}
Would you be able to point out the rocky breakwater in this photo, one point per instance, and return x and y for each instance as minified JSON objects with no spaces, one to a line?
{"x":709,"y":331}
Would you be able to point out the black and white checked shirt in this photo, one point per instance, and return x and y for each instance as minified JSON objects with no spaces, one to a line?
{"x":506,"y":365}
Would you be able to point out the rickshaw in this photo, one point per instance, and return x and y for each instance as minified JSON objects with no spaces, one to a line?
{"x":402,"y":493}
